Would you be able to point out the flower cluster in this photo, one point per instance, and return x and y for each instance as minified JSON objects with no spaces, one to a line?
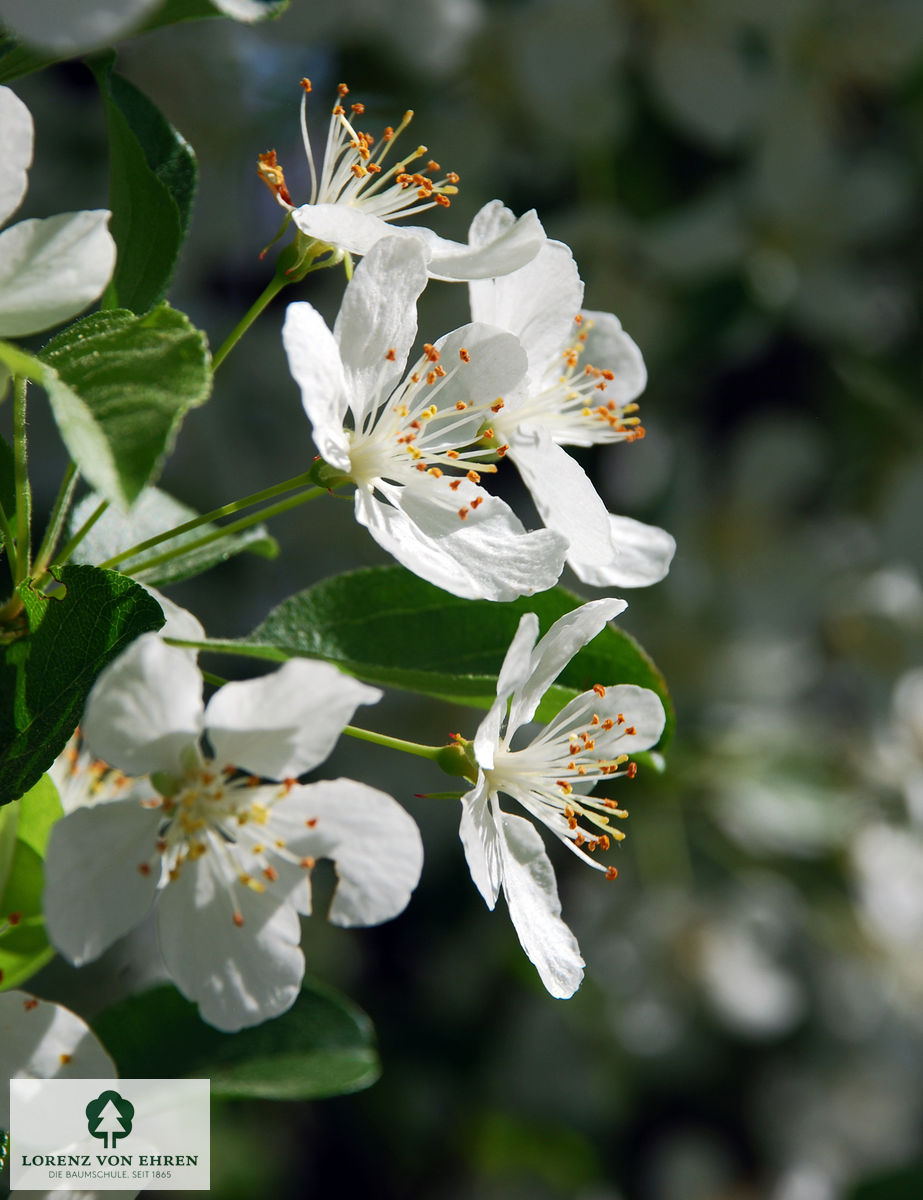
{"x":193,"y":815}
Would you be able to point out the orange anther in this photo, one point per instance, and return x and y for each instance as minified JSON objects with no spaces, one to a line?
{"x":478,"y":500}
{"x":342,"y":90}
{"x":391,"y":355}
{"x":599,"y":689}
{"x":631,"y":770}
{"x":238,"y":918}
{"x":307,"y":863}
{"x":464,"y":355}
{"x":463,"y":514}
{"x":144,"y":868}
{"x":271,"y":874}
{"x":306,"y":85}
{"x":612,"y":873}
{"x":311,"y":822}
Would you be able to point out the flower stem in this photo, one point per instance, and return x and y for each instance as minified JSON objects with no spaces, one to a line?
{"x":382,"y":739}
{"x":21,"y":482}
{"x":225,"y":510}
{"x":268,"y":294}
{"x":9,"y":542}
{"x":57,"y":519}
{"x":234,"y":527}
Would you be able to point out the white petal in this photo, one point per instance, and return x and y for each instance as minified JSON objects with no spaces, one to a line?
{"x":490,"y":222}
{"x":145,"y":708}
{"x":509,"y":250}
{"x":643,"y":554}
{"x":566,"y":636}
{"x":51,"y":270}
{"x":609,"y":347}
{"x":344,"y":227}
{"x":41,"y":1040}
{"x":488,"y":555}
{"x":604,"y":550}
{"x":378,"y":317}
{"x":15,"y":151}
{"x":497,"y":366}
{"x":374,"y":843}
{"x":642,"y":709}
{"x":94,"y":891}
{"x":538,"y":303}
{"x":239,"y":975}
{"x":285,"y":723}
{"x":179,"y":622}
{"x":314,"y":361}
{"x":353,"y":230}
{"x":478,"y":833}
{"x":563,"y":493}
{"x":513,"y":674}
{"x":532,"y":897}
{"x":65,"y":28}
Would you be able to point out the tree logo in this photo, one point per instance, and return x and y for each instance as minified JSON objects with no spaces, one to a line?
{"x":109,"y":1117}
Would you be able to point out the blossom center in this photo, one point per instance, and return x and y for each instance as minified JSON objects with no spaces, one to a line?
{"x":553,"y":776}
{"x":575,"y":404}
{"x":227,"y":816}
{"x":411,"y":439}
{"x":353,"y":171}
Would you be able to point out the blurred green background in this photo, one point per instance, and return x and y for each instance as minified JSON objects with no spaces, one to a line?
{"x":740,"y":183}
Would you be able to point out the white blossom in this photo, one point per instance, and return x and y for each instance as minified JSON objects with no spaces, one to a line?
{"x":590,"y":740}
{"x":50,"y":269}
{"x":404,"y":438}
{"x":224,"y":854}
{"x":41,"y":1040}
{"x":584,"y":375}
{"x":358,"y":192}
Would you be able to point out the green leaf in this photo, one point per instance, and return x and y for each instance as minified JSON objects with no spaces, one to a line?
{"x":24,"y":829}
{"x":17,"y":60}
{"x":372,"y":622}
{"x":46,"y":674}
{"x":153,"y":513}
{"x":119,"y":389}
{"x":153,"y":177}
{"x":323,"y":1046}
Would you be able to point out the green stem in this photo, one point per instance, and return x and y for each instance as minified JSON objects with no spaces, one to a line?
{"x":70,"y":546}
{"x":272,"y":289}
{"x":235,"y":527}
{"x":225,"y":510}
{"x":9,"y":542}
{"x":21,"y":480}
{"x":393,"y":743}
{"x":56,"y":521}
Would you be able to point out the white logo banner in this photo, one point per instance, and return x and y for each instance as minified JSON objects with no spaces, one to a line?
{"x":109,"y":1134}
